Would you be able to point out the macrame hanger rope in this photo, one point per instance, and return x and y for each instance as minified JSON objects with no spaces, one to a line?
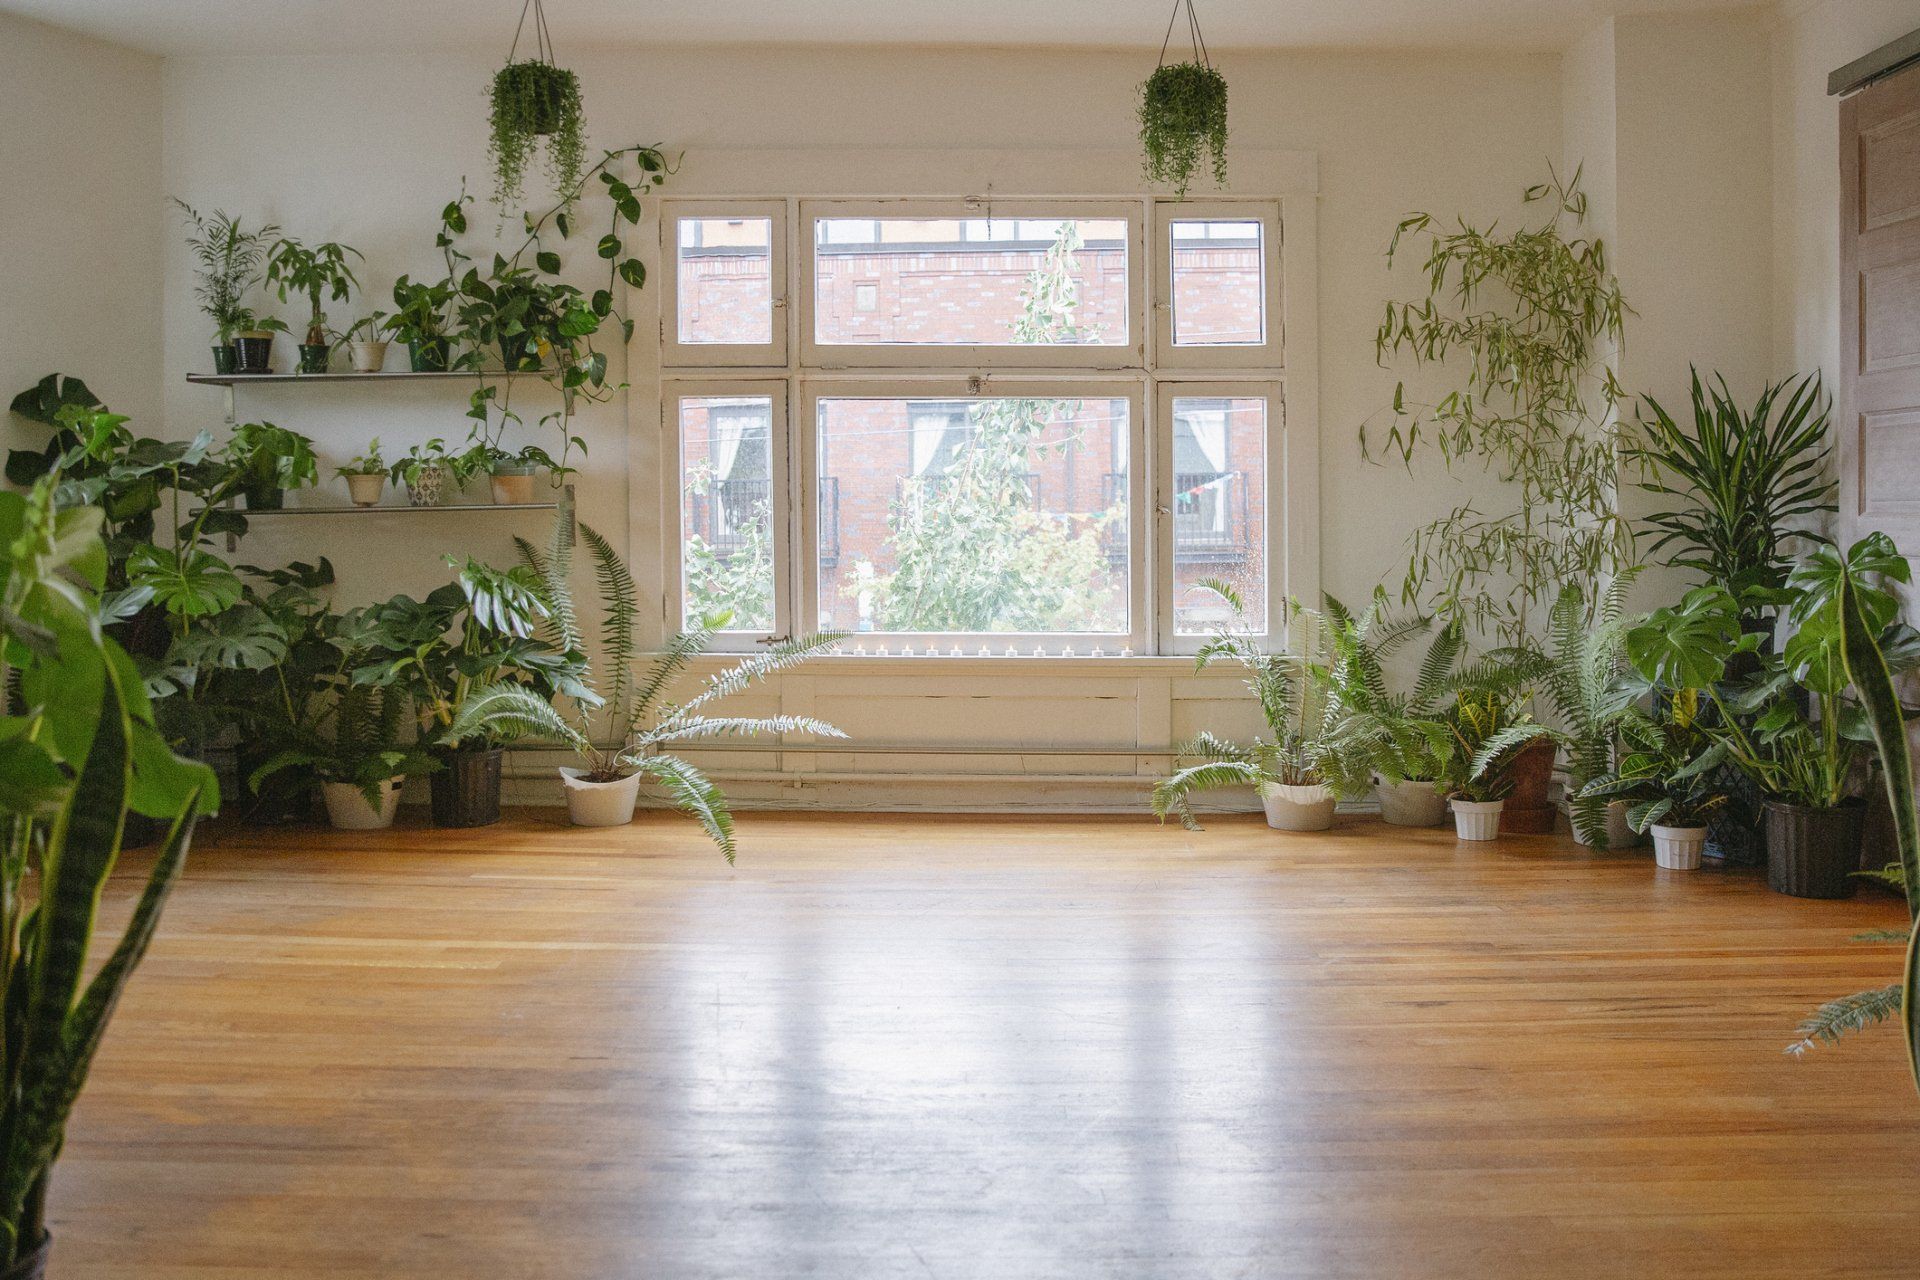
{"x":542,"y":38}
{"x":1193,"y":34}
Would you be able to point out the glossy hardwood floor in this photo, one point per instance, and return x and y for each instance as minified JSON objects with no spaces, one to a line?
{"x":1006,"y":1049}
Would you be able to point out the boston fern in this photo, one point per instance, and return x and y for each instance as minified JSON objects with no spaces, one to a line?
{"x":1582,"y":680}
{"x":621,"y":719}
{"x":1404,"y":741}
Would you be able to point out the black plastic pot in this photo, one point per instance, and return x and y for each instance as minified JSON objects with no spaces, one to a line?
{"x":253,"y":355}
{"x":429,"y":355}
{"x":466,"y":788}
{"x":1813,"y":853}
{"x":223,"y":358}
{"x":265,"y":497}
{"x":31,"y":1266}
{"x":513,"y":350}
{"x":314,"y":357}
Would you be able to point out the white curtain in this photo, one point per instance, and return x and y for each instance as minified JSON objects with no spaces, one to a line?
{"x":729,"y":429}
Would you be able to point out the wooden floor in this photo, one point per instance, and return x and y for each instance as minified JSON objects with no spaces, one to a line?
{"x":1004,"y":1049}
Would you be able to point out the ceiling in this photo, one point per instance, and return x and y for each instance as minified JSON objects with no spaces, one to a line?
{"x":331,"y":26}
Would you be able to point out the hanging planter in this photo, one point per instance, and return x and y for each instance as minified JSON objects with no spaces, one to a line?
{"x":1183,"y":113}
{"x":534,"y":100}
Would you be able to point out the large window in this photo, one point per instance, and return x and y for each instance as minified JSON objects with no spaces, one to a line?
{"x":1003,"y":429}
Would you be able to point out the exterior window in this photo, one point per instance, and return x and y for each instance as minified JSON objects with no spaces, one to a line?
{"x":1219,"y":294}
{"x":983,"y":516}
{"x":725,"y":281}
{"x":727,"y":504}
{"x":973,"y":281}
{"x":1219,"y":485}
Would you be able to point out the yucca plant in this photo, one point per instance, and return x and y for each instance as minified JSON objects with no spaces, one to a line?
{"x":1315,"y":742}
{"x":1868,"y":671}
{"x":1582,"y":683}
{"x":1753,"y":481}
{"x":1405,"y":743}
{"x":621,"y":720}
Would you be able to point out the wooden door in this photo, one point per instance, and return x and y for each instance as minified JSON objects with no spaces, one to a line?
{"x":1878,"y":416}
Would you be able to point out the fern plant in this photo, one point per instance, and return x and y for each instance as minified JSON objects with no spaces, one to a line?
{"x":1583,"y":684}
{"x":1404,"y":741}
{"x":1668,"y":768}
{"x":1316,"y":740}
{"x":621,"y":720}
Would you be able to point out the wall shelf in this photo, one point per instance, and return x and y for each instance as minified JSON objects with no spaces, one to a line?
{"x":398,"y":510}
{"x":311,"y":379}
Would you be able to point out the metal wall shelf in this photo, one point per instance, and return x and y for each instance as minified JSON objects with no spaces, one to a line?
{"x":311,"y":379}
{"x":398,"y":510}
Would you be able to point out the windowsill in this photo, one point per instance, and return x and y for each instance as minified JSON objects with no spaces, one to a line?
{"x":996,"y":665}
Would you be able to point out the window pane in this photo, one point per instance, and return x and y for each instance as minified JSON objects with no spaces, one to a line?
{"x":1219,"y":294}
{"x":726,"y":504}
{"x":1219,"y":507}
{"x":726,"y":280}
{"x":970,"y":281}
{"x":973,"y":515}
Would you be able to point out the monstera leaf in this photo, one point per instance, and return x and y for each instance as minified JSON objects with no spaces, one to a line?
{"x":1689,"y":646}
{"x":191,"y":584}
{"x":240,"y":639}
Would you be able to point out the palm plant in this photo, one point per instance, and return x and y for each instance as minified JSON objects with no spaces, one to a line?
{"x":621,"y":719}
{"x":1746,"y":478}
{"x":1405,"y":742}
{"x":1582,"y":682}
{"x":227,"y":261}
{"x":1315,"y":742}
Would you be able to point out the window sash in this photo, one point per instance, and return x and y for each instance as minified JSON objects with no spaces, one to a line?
{"x":934,"y":356}
{"x":1266,"y":355}
{"x":677,"y":354}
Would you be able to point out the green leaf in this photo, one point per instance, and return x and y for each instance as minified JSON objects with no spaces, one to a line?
{"x":609,"y":246}
{"x":633,"y":271}
{"x":548,"y":262}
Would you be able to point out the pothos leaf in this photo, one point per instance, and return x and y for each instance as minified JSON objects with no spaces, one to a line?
{"x":634,"y":272}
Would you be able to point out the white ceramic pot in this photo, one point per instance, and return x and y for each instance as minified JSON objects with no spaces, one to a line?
{"x":369,"y":357}
{"x":600,"y":804}
{"x":1678,"y":848}
{"x":512,"y":488}
{"x":1297,"y":808}
{"x":1477,"y":819}
{"x":425,"y":488}
{"x":1411,"y":804}
{"x":348,"y":810}
{"x":365,"y":490}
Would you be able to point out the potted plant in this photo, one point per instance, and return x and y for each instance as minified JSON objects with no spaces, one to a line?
{"x":271,"y":460}
{"x":253,"y":342}
{"x":475,"y":633}
{"x":1404,"y":743}
{"x":511,"y":474}
{"x":1183,"y":117}
{"x":1583,"y":681}
{"x":227,"y":263}
{"x":1485,"y":732}
{"x":357,"y":756}
{"x":83,"y":757}
{"x":1317,"y":752}
{"x":366,"y":476}
{"x":421,"y":320}
{"x":297,"y":270}
{"x":366,"y":343}
{"x":627,"y":708}
{"x":533,"y":100}
{"x":1665,"y":775}
{"x":427,"y":470}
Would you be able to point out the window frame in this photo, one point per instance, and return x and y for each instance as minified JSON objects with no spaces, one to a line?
{"x":807,"y":444}
{"x":1270,"y":354}
{"x":784,"y":477}
{"x":837,"y":356}
{"x":675,"y":354}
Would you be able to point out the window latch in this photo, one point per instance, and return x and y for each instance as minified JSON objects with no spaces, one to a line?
{"x":772,"y":639}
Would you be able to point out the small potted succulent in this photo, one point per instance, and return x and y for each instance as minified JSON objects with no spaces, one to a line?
{"x":421,"y":321}
{"x":426,"y":471}
{"x":367,"y":343}
{"x":296,"y":270}
{"x":366,"y":476}
{"x":271,"y":460}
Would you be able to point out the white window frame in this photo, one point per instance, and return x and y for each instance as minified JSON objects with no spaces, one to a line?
{"x":1267,"y":355}
{"x":1273,"y":391}
{"x":807,"y":445}
{"x":676,"y":354}
{"x":784,"y":476}
{"x":877,"y":356}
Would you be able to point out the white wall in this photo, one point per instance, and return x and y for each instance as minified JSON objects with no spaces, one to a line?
{"x":80,"y":215}
{"x":1811,"y":40}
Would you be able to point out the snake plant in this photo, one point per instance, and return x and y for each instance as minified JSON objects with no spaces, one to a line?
{"x":621,"y":720}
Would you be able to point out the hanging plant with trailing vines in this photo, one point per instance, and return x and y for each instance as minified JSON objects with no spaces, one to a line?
{"x":534,"y":100}
{"x":1183,"y":113}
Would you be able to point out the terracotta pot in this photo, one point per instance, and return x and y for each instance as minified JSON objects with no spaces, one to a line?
{"x":1411,"y":804}
{"x":600,"y":804}
{"x":1297,"y":808}
{"x":348,"y":809}
{"x":1813,"y":853}
{"x":512,"y":488}
{"x":1528,"y":812}
{"x":366,"y":490}
{"x":1678,"y":848}
{"x":369,"y":357}
{"x":1477,"y":819}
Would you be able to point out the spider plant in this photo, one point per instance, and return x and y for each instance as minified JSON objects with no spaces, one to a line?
{"x":1746,"y":479}
{"x":621,"y":720}
{"x":1315,"y":740}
